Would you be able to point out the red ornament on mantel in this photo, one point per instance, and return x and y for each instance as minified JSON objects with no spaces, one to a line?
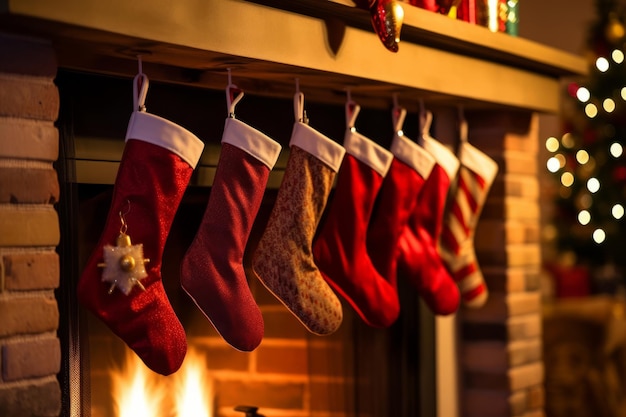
{"x":387,"y":17}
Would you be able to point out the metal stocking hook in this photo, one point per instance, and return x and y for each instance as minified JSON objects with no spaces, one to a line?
{"x":233,"y":95}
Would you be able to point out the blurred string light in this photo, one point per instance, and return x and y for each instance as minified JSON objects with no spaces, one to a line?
{"x":617,"y":211}
{"x":599,"y":235}
{"x":616,"y":150}
{"x":617,"y":56}
{"x":582,"y":157}
{"x":553,"y":164}
{"x":602,"y":64}
{"x":591,"y":110}
{"x":608,"y":105}
{"x":593,"y":185}
{"x":556,"y":162}
{"x":568,"y":140}
{"x":552,"y":144}
{"x":584,"y":217}
{"x":567,"y":179}
{"x":583,"y":95}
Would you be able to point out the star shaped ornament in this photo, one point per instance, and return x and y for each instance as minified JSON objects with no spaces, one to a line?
{"x":124,"y":265}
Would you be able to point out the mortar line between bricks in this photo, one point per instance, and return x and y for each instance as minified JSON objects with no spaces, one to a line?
{"x":41,"y":79}
{"x":7,"y":340}
{"x":11,"y":120}
{"x":12,"y":295}
{"x":33,"y":250}
{"x":27,"y":207}
{"x":23,"y":383}
{"x":25,"y":163}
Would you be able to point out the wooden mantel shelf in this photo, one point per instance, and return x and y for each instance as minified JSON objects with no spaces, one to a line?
{"x":327,"y":44}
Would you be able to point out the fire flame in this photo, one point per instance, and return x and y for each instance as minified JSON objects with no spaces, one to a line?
{"x":137,"y":391}
{"x":194,"y":389}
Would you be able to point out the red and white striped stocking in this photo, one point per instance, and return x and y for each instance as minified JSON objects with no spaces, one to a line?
{"x":468,"y":195}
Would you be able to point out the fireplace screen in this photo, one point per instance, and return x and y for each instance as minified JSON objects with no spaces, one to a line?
{"x":357,"y":371}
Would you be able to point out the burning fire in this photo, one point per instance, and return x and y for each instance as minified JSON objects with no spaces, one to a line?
{"x":137,"y":391}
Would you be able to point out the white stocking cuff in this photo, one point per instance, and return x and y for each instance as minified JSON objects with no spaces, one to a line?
{"x":443,"y":156}
{"x":413,"y":155}
{"x":478,"y":162}
{"x":251,"y":141}
{"x":318,"y":145}
{"x":368,"y":152}
{"x":161,"y":132}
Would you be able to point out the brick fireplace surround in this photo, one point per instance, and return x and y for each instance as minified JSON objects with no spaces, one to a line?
{"x":500,"y":345}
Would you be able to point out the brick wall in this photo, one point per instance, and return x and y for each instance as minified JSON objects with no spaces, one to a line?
{"x":29,"y":229}
{"x":501,"y":359}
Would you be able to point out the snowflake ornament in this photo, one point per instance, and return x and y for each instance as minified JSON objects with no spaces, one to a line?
{"x":124,"y":265}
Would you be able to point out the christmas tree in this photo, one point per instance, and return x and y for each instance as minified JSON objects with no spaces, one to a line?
{"x":589,"y":160}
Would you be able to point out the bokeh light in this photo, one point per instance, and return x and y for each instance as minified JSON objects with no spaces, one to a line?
{"x":584,"y":217}
{"x":616,"y":149}
{"x":593,"y":185}
{"x":567,"y":179}
{"x":553,"y":164}
{"x":567,"y":140}
{"x":582,"y":157}
{"x":608,"y":105}
{"x":591,"y":110}
{"x":599,"y":235}
{"x":583,"y":95}
{"x":552,"y":144}
{"x":602,"y":64}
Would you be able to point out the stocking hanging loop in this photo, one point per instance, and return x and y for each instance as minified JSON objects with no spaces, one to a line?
{"x":352,"y":111}
{"x":425,"y":120}
{"x":233,"y":95}
{"x":298,"y":105}
{"x":140,"y":88}
{"x":398,"y":114}
{"x":463,"y":129}
{"x":140,"y":91}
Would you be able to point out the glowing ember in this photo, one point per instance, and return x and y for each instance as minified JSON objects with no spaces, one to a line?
{"x":137,"y":391}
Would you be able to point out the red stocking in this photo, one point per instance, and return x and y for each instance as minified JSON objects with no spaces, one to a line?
{"x":419,"y":260}
{"x":128,"y":295}
{"x":340,"y":249}
{"x":212,"y":271}
{"x":397,"y":201}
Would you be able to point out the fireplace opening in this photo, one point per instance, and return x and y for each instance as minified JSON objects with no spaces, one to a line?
{"x":357,"y":371}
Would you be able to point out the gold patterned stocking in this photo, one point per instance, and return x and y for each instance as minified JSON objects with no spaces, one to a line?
{"x":283,"y":260}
